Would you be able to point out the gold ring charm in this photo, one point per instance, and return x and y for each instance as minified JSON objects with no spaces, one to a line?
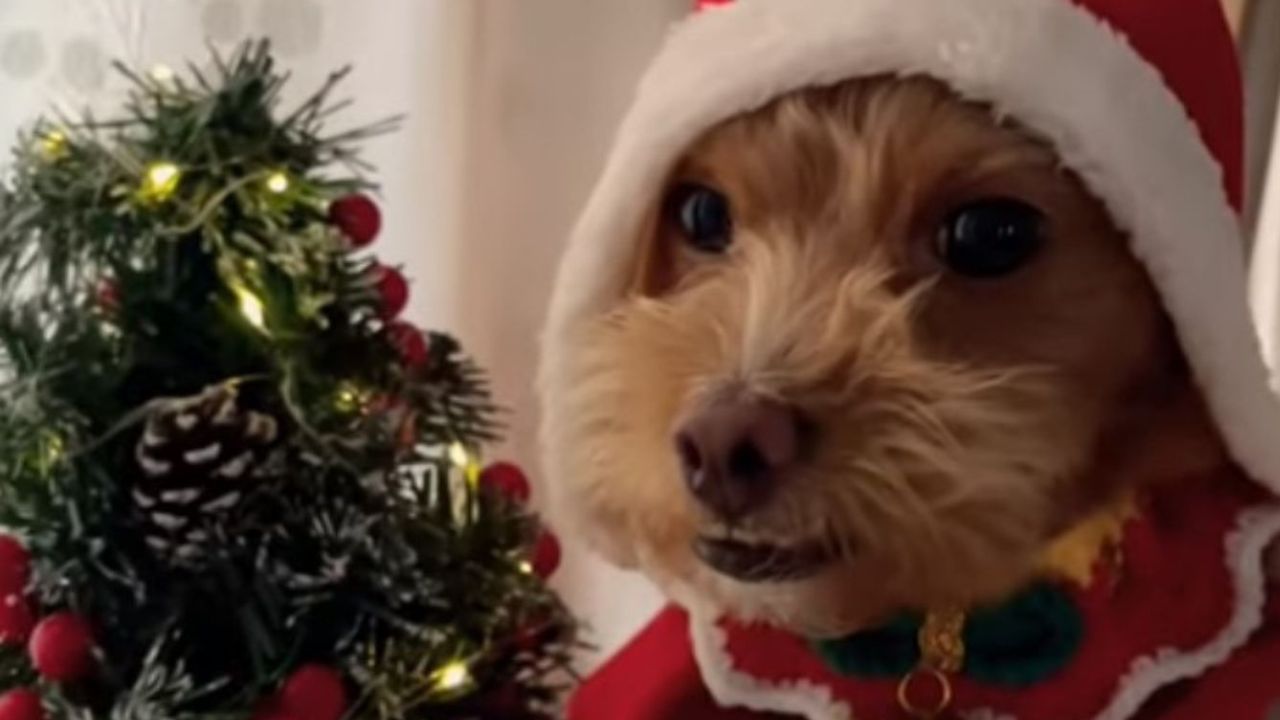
{"x":941,"y":640}
{"x":924,"y":711}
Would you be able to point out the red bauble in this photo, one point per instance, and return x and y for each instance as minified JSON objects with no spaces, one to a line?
{"x":357,"y":217}
{"x":16,"y":620}
{"x":21,"y":704}
{"x":393,"y":289}
{"x":61,"y":647}
{"x":315,"y":692}
{"x":507,"y":480}
{"x":15,"y":566}
{"x":546,"y":555}
{"x":410,"y":343}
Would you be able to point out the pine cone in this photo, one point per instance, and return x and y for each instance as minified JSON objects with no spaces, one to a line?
{"x":199,"y":456}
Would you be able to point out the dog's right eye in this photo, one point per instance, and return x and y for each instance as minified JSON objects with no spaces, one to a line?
{"x":703,"y":216}
{"x":990,"y":238}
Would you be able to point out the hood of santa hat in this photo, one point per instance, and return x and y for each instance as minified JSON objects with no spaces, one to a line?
{"x":1141,"y":98}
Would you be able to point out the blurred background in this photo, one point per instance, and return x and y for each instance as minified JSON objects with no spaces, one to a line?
{"x":510,"y":106}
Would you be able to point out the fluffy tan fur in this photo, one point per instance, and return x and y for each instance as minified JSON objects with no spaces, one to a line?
{"x":961,"y":425}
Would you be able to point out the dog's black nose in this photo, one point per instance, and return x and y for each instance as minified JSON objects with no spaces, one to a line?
{"x":734,"y":450}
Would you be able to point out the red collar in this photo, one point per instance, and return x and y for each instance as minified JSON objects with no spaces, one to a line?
{"x":1190,"y":592}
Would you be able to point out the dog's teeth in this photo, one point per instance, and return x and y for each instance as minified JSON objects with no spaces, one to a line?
{"x":748,"y":537}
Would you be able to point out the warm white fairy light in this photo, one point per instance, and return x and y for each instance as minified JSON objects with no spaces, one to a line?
{"x":161,"y":180}
{"x":52,"y":144}
{"x":526,"y":567}
{"x":277,"y":182}
{"x":53,"y":450}
{"x":458,"y":455}
{"x":348,"y":398}
{"x":162,"y":73}
{"x":464,"y":460}
{"x":452,"y":676}
{"x":252,"y":308}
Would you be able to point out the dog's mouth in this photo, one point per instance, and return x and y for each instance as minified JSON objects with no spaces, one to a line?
{"x":759,"y":562}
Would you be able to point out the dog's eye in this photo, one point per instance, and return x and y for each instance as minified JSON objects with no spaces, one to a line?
{"x":703,"y":216}
{"x":990,"y":238}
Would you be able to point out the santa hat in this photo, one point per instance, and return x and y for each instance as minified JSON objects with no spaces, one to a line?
{"x":1141,"y":98}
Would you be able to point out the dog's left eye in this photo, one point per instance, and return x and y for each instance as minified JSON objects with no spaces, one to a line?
{"x":703,"y":216}
{"x":990,"y":238}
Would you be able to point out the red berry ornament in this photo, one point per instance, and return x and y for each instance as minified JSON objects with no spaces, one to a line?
{"x":357,"y":217}
{"x":546,"y":555}
{"x":314,"y":692}
{"x":410,"y":343}
{"x":507,"y":480}
{"x":21,"y":704}
{"x":393,"y":289}
{"x":16,"y":620}
{"x":61,"y":647}
{"x":15,"y":566}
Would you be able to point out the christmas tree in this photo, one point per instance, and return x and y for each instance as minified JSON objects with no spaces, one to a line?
{"x":232,"y":483}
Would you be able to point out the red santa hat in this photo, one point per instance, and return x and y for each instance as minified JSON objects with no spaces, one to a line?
{"x":1141,"y":98}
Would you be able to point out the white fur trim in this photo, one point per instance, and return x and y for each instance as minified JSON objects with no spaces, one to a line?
{"x":1245,"y":549}
{"x":1048,"y":63}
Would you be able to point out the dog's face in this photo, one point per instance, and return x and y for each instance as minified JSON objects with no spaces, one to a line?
{"x":877,"y":348}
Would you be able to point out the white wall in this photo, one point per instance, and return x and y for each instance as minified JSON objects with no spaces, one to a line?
{"x":550,"y":81}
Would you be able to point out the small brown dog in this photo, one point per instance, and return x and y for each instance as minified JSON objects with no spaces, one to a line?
{"x":878,"y":349}
{"x":870,"y":329}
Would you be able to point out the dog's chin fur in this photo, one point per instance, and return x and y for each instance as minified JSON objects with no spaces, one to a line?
{"x":960,"y":424}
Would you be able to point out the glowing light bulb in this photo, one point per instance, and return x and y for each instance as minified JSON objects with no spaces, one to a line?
{"x":161,"y":181}
{"x":52,"y":144}
{"x":55,"y":448}
{"x":252,"y":308}
{"x":162,"y":73}
{"x":277,"y":182}
{"x":458,"y":455}
{"x":526,"y":567}
{"x":348,"y":398}
{"x":452,"y":676}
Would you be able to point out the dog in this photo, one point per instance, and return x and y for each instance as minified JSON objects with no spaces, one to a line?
{"x":878,"y":349}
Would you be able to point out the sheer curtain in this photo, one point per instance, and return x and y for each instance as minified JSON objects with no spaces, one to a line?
{"x":509,"y":108}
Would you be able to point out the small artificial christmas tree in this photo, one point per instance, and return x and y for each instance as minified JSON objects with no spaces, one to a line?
{"x":233,"y":484}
